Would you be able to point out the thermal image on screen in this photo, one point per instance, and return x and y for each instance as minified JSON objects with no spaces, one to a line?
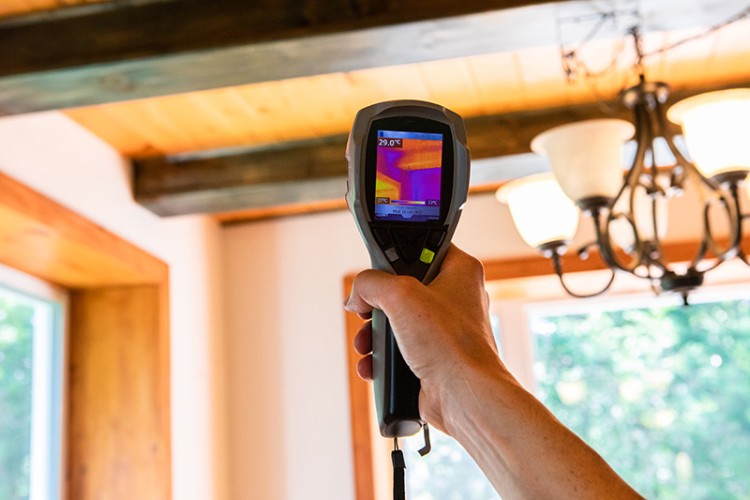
{"x":407,"y":187}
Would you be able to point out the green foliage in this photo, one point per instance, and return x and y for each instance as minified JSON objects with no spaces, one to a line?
{"x":16,"y":351}
{"x":662,"y":394}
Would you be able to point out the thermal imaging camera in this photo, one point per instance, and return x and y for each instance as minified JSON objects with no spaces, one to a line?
{"x":408,"y":181}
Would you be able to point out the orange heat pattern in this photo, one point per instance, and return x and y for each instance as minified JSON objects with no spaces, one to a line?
{"x":419,"y":154}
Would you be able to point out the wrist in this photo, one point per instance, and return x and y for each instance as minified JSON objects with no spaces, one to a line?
{"x":464,"y":397}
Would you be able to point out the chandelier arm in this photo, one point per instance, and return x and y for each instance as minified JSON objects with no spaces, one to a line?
{"x":740,"y":252}
{"x":644,"y":139}
{"x":655,"y":257}
{"x":735,"y":228}
{"x":737,"y":235}
{"x":601,"y":229}
{"x":644,"y":131}
{"x":669,"y":139}
{"x":732,"y":207}
{"x":557,"y":263}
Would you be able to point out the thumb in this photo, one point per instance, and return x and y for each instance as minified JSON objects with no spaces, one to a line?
{"x":370,"y":291}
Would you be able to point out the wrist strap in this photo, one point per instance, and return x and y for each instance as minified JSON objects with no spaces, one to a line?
{"x":399,"y":470}
{"x":399,"y":464}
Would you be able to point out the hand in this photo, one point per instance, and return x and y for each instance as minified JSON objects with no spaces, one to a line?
{"x":442,"y":329}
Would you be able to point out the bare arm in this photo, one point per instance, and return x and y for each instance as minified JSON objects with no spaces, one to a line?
{"x":444,"y":333}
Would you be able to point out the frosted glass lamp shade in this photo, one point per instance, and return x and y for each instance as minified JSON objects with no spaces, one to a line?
{"x":540,"y":210}
{"x":715,"y":126}
{"x":586,"y":156}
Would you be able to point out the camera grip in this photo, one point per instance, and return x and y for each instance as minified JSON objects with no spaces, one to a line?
{"x":396,"y":386}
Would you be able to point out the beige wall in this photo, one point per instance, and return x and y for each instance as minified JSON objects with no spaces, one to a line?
{"x":55,"y":156}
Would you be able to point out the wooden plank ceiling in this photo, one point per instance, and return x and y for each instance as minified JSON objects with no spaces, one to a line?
{"x":275,"y":145}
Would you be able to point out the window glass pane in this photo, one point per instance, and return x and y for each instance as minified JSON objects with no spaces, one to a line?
{"x":661,"y":393}
{"x":30,"y":395}
{"x":447,"y":472}
{"x":16,"y":357}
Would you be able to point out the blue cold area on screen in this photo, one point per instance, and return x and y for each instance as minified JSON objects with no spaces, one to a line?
{"x":397,"y":134}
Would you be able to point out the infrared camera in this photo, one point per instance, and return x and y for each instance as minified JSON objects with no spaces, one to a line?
{"x":408,"y":181}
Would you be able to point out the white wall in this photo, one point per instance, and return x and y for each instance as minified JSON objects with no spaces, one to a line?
{"x":288,"y":407}
{"x":56,"y":157}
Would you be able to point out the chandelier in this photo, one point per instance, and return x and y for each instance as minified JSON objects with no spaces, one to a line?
{"x":629,"y":212}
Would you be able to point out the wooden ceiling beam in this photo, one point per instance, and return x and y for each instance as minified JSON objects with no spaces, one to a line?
{"x":314,"y":172}
{"x":311,"y":171}
{"x":80,"y":56}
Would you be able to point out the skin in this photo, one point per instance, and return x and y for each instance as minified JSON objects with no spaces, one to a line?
{"x":443,"y":330}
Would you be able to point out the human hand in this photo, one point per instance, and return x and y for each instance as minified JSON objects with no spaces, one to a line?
{"x":442,"y":329}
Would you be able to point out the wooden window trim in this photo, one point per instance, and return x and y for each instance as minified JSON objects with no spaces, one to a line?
{"x":117,"y":418}
{"x":360,"y":398}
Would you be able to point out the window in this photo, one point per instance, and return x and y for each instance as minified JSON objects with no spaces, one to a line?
{"x":31,"y":348}
{"x":659,"y":390}
{"x":697,"y":359}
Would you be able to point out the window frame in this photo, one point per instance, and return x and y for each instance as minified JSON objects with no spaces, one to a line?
{"x":118,"y":440}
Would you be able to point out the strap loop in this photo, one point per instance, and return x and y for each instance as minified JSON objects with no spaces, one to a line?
{"x":399,"y":468}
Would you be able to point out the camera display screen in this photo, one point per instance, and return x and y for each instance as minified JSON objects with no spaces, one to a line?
{"x":409,"y":170}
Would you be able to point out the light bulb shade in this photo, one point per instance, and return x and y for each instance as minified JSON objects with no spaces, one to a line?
{"x":715,"y":126}
{"x":540,"y":210}
{"x":586,"y":156}
{"x":620,"y":230}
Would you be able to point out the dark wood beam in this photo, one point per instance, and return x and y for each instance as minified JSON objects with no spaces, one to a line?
{"x":172,"y":46}
{"x":299,"y":172}
{"x":314,"y":172}
{"x":80,"y":56}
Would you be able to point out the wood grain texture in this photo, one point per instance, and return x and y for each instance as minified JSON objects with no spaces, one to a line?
{"x":313,"y":172}
{"x":140,"y":51}
{"x":118,"y":424}
{"x":11,"y":8}
{"x":42,"y":238}
{"x":526,"y":79}
{"x":152,"y":29}
{"x":117,"y":406}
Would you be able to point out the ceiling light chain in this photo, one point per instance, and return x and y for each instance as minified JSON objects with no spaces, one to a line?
{"x":574,"y":65}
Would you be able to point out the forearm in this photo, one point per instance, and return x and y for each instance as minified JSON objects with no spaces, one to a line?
{"x":521,"y":447}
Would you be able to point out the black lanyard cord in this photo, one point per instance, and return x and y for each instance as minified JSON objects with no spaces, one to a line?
{"x":399,"y":471}
{"x":399,"y":465}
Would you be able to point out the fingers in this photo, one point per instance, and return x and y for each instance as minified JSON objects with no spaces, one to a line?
{"x":363,"y":345}
{"x":364,"y":367}
{"x":363,"y":339}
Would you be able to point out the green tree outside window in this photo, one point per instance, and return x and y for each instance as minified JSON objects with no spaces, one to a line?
{"x":16,"y":354}
{"x":663,"y":394}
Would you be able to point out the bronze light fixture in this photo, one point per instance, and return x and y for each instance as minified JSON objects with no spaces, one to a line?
{"x":629,"y":215}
